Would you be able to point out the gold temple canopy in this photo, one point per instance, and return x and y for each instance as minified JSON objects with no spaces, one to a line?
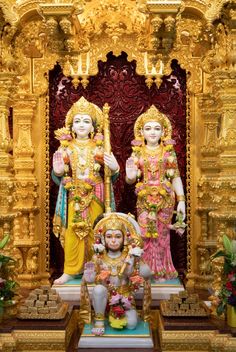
{"x":36,"y":35}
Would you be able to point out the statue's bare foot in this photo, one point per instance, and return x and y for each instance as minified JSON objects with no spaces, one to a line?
{"x":63,"y":279}
{"x":98,"y":328}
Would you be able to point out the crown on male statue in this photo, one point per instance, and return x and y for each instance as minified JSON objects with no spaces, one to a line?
{"x":84,"y":107}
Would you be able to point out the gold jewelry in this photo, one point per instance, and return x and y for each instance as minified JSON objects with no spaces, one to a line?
{"x":153,"y":165}
{"x":85,"y":147}
{"x":180,"y":198}
{"x":114,"y":261}
{"x":152,"y":114}
{"x":157,"y":151}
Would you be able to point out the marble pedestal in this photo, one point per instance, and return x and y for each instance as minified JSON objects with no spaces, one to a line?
{"x":140,"y":337}
{"x":71,"y":290}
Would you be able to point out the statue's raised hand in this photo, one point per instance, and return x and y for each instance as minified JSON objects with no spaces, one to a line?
{"x":58,"y":163}
{"x":131,"y":170}
{"x":89,"y":272}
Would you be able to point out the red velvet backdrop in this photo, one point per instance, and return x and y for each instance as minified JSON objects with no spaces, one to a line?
{"x":128,"y":96}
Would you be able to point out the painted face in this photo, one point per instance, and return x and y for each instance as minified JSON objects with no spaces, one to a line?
{"x":82,"y":126}
{"x":152,"y":132}
{"x":114,"y":240}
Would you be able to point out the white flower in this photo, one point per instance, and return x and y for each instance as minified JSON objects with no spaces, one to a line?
{"x":170,"y":159}
{"x":98,"y":248}
{"x":170,"y":172}
{"x":136,"y":251}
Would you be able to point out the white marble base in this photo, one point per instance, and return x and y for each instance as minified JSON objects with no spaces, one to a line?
{"x":111,"y":342}
{"x":160,"y":291}
{"x":140,"y":337}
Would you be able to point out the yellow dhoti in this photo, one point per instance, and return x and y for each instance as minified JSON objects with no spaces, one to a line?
{"x":79,"y":251}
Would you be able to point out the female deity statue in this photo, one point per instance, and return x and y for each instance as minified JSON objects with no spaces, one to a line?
{"x":154,"y":165}
{"x":117,"y":271}
{"x":77,"y":163}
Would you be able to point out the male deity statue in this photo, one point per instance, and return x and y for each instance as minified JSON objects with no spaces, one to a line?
{"x":117,"y":271}
{"x":77,"y":164}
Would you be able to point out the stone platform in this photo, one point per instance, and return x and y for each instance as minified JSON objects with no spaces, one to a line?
{"x":161,"y":290}
{"x":138,"y":338}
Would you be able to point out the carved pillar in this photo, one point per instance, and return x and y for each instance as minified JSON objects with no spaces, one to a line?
{"x":27,"y":242}
{"x":207,"y":200}
{"x":7,"y":215}
{"x":224,"y":216}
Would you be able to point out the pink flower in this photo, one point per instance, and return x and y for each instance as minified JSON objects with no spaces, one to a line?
{"x":231,"y":276}
{"x":65,"y":137}
{"x":115,"y":299}
{"x":169,"y":142}
{"x":126,"y":303}
{"x":98,"y":137}
{"x":136,"y":143}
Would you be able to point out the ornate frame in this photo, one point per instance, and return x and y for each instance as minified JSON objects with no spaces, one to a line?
{"x":36,"y":34}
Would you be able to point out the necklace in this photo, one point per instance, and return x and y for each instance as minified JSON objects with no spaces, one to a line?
{"x":114,"y":264}
{"x":82,"y":158}
{"x":153,"y":162}
{"x":153,"y":152}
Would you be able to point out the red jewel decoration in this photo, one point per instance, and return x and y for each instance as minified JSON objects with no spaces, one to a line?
{"x":108,"y":281}
{"x":98,"y":241}
{"x":133,"y":245}
{"x":128,"y":234}
{"x":100,"y":230}
{"x":130,"y":298}
{"x":114,"y":293}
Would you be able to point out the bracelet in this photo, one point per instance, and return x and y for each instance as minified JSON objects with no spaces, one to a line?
{"x":180,"y":198}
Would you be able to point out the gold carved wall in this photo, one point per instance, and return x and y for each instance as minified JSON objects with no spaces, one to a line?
{"x":200,"y":34}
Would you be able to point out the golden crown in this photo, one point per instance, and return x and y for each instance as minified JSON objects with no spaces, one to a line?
{"x":84,"y":107}
{"x":115,"y":221}
{"x":152,"y":114}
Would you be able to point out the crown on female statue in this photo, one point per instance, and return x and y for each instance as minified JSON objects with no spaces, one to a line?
{"x":84,"y":107}
{"x":152,"y":114}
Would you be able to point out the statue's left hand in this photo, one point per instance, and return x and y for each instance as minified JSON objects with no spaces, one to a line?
{"x":111,"y":162}
{"x":181,"y":208}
